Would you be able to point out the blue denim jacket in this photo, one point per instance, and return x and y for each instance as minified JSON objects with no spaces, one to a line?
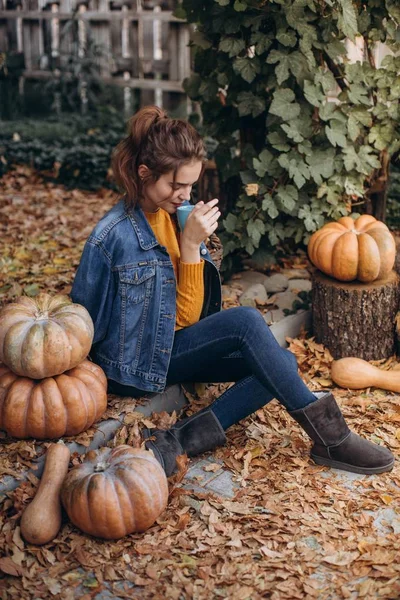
{"x":127,"y":283}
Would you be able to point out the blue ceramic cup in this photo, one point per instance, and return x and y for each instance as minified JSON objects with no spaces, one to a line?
{"x":182,"y":214}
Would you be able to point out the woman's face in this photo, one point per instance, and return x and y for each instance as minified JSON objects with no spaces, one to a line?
{"x":164,"y":193}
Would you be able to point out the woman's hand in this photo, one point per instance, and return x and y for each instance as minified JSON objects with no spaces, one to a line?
{"x":201,"y":223}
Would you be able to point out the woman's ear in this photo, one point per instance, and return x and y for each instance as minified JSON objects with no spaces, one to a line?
{"x":143,"y":171}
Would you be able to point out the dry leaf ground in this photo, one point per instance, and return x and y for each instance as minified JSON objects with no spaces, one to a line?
{"x":293,"y":530}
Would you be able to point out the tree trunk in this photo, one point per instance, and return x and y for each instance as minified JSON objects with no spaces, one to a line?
{"x":355,"y":319}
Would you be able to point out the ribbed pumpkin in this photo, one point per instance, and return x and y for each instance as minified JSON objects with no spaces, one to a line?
{"x":53,"y":407}
{"x":44,"y":336}
{"x":349,"y":249}
{"x":115,"y":492}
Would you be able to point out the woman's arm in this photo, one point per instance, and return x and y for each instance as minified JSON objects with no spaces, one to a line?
{"x":94,"y":287}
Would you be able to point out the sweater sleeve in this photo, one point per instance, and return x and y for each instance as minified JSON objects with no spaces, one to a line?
{"x":190,"y":294}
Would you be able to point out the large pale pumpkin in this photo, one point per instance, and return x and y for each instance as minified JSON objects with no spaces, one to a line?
{"x":44,"y":336}
{"x":53,"y":407}
{"x":349,"y":249}
{"x":115,"y":492}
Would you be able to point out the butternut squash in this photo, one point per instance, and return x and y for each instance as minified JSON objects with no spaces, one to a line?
{"x":356,"y":374}
{"x":41,"y":520}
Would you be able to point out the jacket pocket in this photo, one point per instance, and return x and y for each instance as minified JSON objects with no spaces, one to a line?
{"x":136,"y":283}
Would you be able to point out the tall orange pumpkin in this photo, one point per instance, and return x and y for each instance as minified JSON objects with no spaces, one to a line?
{"x":53,"y":407}
{"x":349,"y":249}
{"x":115,"y":492}
{"x":44,"y":336}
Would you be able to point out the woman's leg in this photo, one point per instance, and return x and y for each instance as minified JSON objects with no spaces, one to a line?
{"x":242,"y":399}
{"x":201,"y":350}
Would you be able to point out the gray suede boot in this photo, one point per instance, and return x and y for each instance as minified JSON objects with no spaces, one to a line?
{"x":334,"y":444}
{"x":192,"y":435}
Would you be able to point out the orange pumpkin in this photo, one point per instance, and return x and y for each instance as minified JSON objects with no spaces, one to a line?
{"x":349,"y":249}
{"x":115,"y":492}
{"x":44,"y":336}
{"x":63,"y":405}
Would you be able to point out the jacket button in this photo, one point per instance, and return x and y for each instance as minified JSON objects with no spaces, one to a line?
{"x":203,"y":251}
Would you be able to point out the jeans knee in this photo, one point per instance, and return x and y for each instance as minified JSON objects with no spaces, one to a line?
{"x":247,"y":315}
{"x":292,"y":359}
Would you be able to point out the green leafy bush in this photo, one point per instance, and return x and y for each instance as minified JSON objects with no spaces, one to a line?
{"x":393,"y":200}
{"x":290,"y":156}
{"x":73,"y":152}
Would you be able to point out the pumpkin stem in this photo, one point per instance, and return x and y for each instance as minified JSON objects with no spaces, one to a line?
{"x":39,"y":315}
{"x":100,"y":466}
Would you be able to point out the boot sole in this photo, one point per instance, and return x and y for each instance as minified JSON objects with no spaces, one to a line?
{"x":334,"y":464}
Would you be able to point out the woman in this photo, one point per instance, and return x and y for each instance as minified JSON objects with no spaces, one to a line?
{"x":155,"y":296}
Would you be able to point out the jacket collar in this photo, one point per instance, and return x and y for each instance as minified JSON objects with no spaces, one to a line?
{"x":144,"y":232}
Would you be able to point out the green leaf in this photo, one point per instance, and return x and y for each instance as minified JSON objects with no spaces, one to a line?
{"x":358,"y":95}
{"x":368,"y":158}
{"x":230,"y":222}
{"x":292,"y":131}
{"x":278,"y":141}
{"x":364,"y":162}
{"x":297,"y":168}
{"x":198,"y":38}
{"x":380,"y":136}
{"x":247,"y":68}
{"x":327,"y":80}
{"x":282,"y":70}
{"x":283,"y":104}
{"x":262,"y":163}
{"x":321,"y":164}
{"x":249,"y":104}
{"x":335,"y":135}
{"x":313,"y":93}
{"x":288,"y":197}
{"x":362,"y":115}
{"x":336,"y":49}
{"x":191,"y":85}
{"x":261,"y":41}
{"x":239,"y":6}
{"x":268,"y":204}
{"x":287,"y":38}
{"x":255,"y":229}
{"x":298,"y":66}
{"x":347,"y":21}
{"x":208,"y":89}
{"x":364,"y":21}
{"x":222,"y":2}
{"x":353,"y":128}
{"x":332,"y":192}
{"x":233,"y":46}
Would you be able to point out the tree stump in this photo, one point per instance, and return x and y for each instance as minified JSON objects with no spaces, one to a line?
{"x":355,"y":319}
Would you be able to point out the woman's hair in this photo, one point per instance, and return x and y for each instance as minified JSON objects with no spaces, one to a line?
{"x":160,"y":143}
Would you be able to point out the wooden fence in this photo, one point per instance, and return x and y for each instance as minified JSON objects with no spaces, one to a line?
{"x":143,"y":46}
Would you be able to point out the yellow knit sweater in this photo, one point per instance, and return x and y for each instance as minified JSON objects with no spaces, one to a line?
{"x":189,"y":277}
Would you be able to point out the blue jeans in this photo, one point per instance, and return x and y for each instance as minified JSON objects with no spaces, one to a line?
{"x":235,"y":345}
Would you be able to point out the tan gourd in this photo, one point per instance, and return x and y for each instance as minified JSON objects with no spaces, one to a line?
{"x":41,"y":520}
{"x":357,"y":374}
